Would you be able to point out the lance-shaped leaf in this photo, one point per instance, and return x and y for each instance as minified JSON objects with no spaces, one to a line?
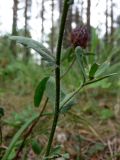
{"x":38,"y":47}
{"x":102,"y":68}
{"x":67,"y":102}
{"x":36,"y":147}
{"x":79,"y":57}
{"x":50,"y":90}
{"x":93,"y":70}
{"x":64,"y":98}
{"x":39,"y":91}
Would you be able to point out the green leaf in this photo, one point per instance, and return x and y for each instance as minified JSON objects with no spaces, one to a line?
{"x":1,"y":112}
{"x":68,"y":54}
{"x":66,"y":156}
{"x":39,"y":91}
{"x":67,"y":102}
{"x":38,"y":47}
{"x":64,"y":98}
{"x":93,"y":70}
{"x":50,"y":89}
{"x":106,"y":113}
{"x":17,"y":136}
{"x":102,"y":68}
{"x":97,"y":147}
{"x":56,"y":150}
{"x":36,"y":147}
{"x":79,"y":57}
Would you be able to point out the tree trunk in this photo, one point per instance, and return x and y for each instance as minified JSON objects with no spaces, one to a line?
{"x":42,"y":19}
{"x":52,"y":28}
{"x":88,"y":19}
{"x":77,"y":16}
{"x":68,"y":29}
{"x":14,"y":27}
{"x":112,"y":23}
{"x":28,"y":4}
{"x":82,"y":9}
{"x":106,"y":23}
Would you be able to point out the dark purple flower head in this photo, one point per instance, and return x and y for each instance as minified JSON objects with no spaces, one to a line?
{"x":79,"y":37}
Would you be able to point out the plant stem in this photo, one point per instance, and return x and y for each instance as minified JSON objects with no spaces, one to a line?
{"x":57,"y":75}
{"x":30,"y":130}
{"x":0,"y":133}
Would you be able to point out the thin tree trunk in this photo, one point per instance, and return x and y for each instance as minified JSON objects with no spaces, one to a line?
{"x":77,"y":16}
{"x":68,"y":29}
{"x":14,"y":27}
{"x":112,"y":22}
{"x":88,"y":19}
{"x":60,"y":7}
{"x":106,"y":23}
{"x":52,"y":28}
{"x":26,"y":29}
{"x":82,"y":9}
{"x":42,"y":19}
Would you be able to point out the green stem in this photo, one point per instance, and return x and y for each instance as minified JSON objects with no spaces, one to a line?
{"x":57,"y":75}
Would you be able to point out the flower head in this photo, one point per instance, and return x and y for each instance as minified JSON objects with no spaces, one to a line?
{"x":79,"y":37}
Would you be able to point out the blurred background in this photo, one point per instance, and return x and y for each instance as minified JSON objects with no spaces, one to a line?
{"x":96,"y":115}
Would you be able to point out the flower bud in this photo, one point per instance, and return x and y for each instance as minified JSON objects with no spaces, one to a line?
{"x":79,"y":37}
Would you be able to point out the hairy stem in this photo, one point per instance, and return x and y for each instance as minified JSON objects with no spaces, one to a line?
{"x":57,"y":75}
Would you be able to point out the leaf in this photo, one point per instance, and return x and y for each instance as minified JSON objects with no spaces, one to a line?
{"x":50,"y":90}
{"x":39,"y":91}
{"x":93,"y":70}
{"x":102,"y":68}
{"x":64,"y":98}
{"x":1,"y":112}
{"x":17,"y":136}
{"x":36,"y":147}
{"x":68,"y":54}
{"x":66,"y":156}
{"x":38,"y":47}
{"x":67,"y":102}
{"x":98,"y":147}
{"x":56,"y":150}
{"x":106,"y":113}
{"x":79,"y":57}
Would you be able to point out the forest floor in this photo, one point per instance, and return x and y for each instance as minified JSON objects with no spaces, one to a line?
{"x":89,"y":131}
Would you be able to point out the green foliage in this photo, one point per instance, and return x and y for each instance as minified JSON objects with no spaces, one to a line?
{"x":97,"y":147}
{"x":36,"y":147}
{"x":106,"y":114}
{"x":38,"y":47}
{"x":93,"y":70}
{"x":16,"y":137}
{"x":67,"y":102}
{"x":19,"y":118}
{"x":62,"y":100}
{"x":39,"y":91}
{"x":1,"y":112}
{"x":79,"y":56}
